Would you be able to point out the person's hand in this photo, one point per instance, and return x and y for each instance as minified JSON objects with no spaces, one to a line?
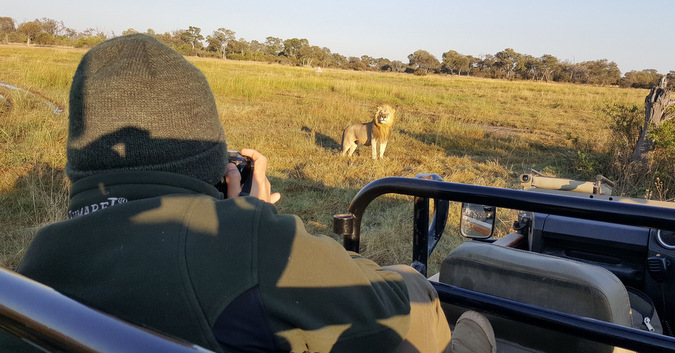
{"x":260,"y":187}
{"x":232,"y":181}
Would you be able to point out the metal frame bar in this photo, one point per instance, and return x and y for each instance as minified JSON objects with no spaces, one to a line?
{"x":426,"y":235}
{"x":587,"y":208}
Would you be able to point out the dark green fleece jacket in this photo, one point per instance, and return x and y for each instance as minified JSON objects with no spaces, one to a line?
{"x":166,"y":251}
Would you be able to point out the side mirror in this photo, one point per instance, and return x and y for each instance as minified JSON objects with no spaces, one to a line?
{"x":478,"y":221}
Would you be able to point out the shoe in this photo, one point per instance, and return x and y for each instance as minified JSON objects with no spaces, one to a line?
{"x":473,"y":334}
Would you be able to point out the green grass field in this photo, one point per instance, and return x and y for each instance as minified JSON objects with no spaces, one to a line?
{"x":464,"y":129}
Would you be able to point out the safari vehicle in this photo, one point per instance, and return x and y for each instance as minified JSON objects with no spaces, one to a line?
{"x":562,"y":281}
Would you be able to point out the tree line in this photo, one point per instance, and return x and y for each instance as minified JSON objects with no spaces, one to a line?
{"x":223,"y":43}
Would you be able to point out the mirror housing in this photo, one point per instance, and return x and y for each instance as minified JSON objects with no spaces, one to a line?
{"x":477,"y":221}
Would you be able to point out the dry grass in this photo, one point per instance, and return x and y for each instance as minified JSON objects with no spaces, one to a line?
{"x":466,"y":130}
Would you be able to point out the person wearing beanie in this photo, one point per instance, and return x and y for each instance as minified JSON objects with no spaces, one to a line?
{"x":151,"y":240}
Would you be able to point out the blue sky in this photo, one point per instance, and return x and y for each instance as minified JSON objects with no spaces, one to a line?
{"x":635,"y":34}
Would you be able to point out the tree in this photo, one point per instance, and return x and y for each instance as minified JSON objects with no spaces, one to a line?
{"x":179,"y":40}
{"x":129,"y":31}
{"x":6,"y":27}
{"x":397,"y":66}
{"x":384,"y":64}
{"x":257,"y":47}
{"x":340,"y":60}
{"x":485,"y":67}
{"x":30,"y":29}
{"x":369,"y":61}
{"x":640,"y":79}
{"x":507,"y":61}
{"x":671,"y":79}
{"x":192,"y":36}
{"x":70,"y":33}
{"x":549,"y":66}
{"x":307,"y":55}
{"x":273,"y":46}
{"x":423,"y":62}
{"x":240,"y":47}
{"x":53,"y":27}
{"x":170,"y":39}
{"x":327,"y":58}
{"x":454,"y":62}
{"x":292,"y":47}
{"x":89,"y":38}
{"x":602,"y":72}
{"x":93,"y":32}
{"x":316,"y":56}
{"x":219,"y":40}
{"x":355,"y":63}
{"x":573,"y":72}
{"x":656,"y":105}
{"x":462,"y":64}
{"x":527,"y":67}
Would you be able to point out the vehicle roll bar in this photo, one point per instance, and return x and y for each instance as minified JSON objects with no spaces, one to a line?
{"x":349,"y":224}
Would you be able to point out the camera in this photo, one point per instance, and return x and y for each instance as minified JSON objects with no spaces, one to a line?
{"x":243,"y":163}
{"x":245,"y":166}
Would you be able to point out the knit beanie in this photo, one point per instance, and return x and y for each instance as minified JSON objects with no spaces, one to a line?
{"x":138,"y":105}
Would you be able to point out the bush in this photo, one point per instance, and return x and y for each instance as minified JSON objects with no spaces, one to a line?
{"x":627,"y":122}
{"x":637,"y":179}
{"x":88,"y":42}
{"x":664,"y":154}
{"x":664,"y":137}
{"x":16,"y":37}
{"x":185,"y":49}
{"x":44,"y":39}
{"x":64,"y":41}
{"x":283,"y":60}
{"x":420,"y":72}
{"x":236,"y":56}
{"x":208,"y":54}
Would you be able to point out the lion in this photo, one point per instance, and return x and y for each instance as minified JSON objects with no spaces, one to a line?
{"x":370,"y":134}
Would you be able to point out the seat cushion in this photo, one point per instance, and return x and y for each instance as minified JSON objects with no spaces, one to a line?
{"x":550,"y":282}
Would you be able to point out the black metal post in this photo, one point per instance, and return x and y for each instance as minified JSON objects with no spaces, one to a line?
{"x":421,"y":235}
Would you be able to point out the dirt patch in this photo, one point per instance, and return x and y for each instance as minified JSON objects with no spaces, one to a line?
{"x":506,"y":131}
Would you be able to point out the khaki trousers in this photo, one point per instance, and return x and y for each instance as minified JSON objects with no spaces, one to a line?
{"x":429,"y":329}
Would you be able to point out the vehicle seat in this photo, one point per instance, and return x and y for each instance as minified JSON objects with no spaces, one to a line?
{"x":537,"y":279}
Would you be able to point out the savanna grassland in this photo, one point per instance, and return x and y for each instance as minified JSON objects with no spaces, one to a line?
{"x":466,"y":130}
